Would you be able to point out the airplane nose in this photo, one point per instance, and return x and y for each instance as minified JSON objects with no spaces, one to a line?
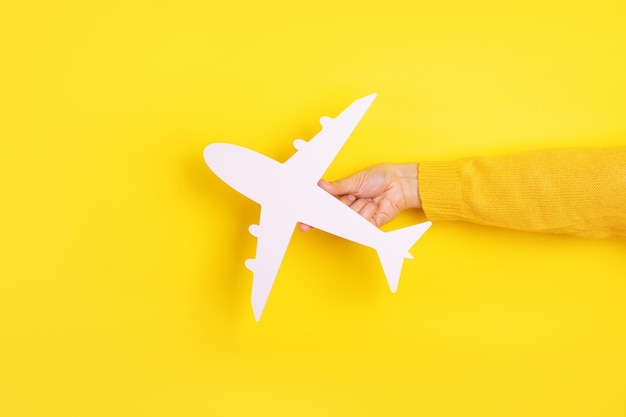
{"x":219,"y":157}
{"x":211,"y":154}
{"x":231,"y":162}
{"x":249,"y":172}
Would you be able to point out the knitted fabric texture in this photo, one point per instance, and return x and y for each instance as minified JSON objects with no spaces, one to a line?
{"x":579,"y":192}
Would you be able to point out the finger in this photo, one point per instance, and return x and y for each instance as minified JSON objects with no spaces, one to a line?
{"x":347,"y":199}
{"x":368,"y":210}
{"x":304,"y":227}
{"x":380,"y":218}
{"x":359,"y":204}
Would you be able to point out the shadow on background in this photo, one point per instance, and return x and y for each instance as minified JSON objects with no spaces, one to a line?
{"x":225,"y":281}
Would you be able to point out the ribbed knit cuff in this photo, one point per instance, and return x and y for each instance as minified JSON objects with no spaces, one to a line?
{"x":440,"y":189}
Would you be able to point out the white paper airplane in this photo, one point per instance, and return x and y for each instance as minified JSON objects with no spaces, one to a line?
{"x":288,"y":193}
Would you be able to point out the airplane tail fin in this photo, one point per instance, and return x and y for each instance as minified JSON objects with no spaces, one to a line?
{"x":397,"y":248}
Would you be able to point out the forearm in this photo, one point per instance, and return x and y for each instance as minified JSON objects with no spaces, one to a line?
{"x":579,"y":192}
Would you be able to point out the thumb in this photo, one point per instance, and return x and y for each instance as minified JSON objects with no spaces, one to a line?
{"x":348,"y":185}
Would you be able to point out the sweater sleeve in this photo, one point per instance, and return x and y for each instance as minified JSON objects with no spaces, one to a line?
{"x":579,"y":192}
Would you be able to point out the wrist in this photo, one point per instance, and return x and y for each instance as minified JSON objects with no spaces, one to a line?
{"x":408,"y":174}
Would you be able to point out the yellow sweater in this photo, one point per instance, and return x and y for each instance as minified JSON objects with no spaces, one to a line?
{"x":579,"y":192}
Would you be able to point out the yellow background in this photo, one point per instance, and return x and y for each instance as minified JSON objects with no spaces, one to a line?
{"x":122,"y":284}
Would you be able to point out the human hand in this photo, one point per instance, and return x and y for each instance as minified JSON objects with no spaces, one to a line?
{"x":377,"y":193}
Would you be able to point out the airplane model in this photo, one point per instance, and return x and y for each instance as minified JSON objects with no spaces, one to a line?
{"x":265,"y":180}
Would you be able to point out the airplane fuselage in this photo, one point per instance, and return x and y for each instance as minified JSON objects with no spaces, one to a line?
{"x":280,"y":187}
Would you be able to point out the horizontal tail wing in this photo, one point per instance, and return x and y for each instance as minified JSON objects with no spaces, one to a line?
{"x":397,"y":248}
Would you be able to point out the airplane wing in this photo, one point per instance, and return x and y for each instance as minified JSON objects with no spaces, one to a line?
{"x":313,"y":157}
{"x":273,"y":234}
